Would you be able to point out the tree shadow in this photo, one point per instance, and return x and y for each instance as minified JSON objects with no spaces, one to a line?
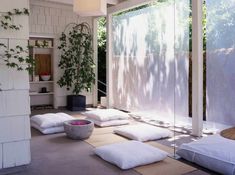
{"x":220,"y":61}
{"x":149,"y":74}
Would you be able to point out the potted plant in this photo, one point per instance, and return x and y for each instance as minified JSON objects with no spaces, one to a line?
{"x":77,"y":64}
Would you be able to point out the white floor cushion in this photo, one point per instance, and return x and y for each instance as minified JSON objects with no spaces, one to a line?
{"x":51,"y":130}
{"x":50,"y":120}
{"x":213,"y":152}
{"x":109,"y":123}
{"x":130,"y":154}
{"x":143,"y":132}
{"x":106,"y":115}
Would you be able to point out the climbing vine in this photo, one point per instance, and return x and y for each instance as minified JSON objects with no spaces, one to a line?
{"x":17,"y":56}
{"x":7,"y":19}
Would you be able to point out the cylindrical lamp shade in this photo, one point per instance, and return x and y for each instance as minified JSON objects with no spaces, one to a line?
{"x":90,"y":7}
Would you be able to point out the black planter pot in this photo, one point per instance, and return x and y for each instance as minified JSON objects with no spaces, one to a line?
{"x":76,"y":102}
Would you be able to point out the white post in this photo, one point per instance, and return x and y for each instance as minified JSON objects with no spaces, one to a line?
{"x":95,"y":56}
{"x":197,"y":68}
{"x":109,"y":62}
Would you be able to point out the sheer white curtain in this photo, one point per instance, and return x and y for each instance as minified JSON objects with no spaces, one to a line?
{"x":150,"y":58}
{"x":221,"y":61}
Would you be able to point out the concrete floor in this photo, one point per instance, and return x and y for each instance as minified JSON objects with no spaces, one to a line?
{"x":57,"y":155}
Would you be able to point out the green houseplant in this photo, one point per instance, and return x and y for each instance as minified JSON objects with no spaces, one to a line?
{"x":77,"y":63}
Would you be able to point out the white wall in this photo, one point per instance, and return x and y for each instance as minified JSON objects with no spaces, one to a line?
{"x":14,"y":97}
{"x":50,"y":19}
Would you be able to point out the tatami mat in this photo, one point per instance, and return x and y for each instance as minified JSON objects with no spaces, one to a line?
{"x":169,"y":166}
{"x":106,"y":130}
{"x":162,"y":147}
{"x":104,"y":139}
{"x":166,"y":167}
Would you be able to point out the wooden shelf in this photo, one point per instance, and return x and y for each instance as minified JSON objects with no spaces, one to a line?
{"x":41,"y":50}
{"x":40,"y":94}
{"x":35,"y":47}
{"x":40,"y":82}
{"x":44,"y":62}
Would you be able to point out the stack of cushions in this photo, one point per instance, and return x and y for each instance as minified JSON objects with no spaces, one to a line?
{"x":213,"y":152}
{"x":143,"y":132}
{"x":107,"y":117}
{"x":50,"y":123}
{"x":130,"y":154}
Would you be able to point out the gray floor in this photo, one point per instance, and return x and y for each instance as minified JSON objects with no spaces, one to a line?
{"x":58,"y":155}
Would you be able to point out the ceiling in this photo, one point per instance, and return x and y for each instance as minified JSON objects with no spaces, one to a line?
{"x":70,"y":2}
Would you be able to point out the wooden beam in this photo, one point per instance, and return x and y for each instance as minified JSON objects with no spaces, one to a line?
{"x":70,"y":2}
{"x":113,"y":2}
{"x":125,"y":5}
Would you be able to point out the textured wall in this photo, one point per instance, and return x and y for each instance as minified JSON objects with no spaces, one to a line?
{"x":50,"y":19}
{"x":14,"y":97}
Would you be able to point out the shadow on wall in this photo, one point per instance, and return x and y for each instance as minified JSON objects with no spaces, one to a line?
{"x":148,"y":72}
{"x":220,"y":86}
{"x":221,"y":61}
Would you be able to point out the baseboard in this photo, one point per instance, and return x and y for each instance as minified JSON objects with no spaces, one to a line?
{"x":13,"y":170}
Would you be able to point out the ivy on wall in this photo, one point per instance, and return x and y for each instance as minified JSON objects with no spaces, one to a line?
{"x":7,"y":19}
{"x":17,"y":56}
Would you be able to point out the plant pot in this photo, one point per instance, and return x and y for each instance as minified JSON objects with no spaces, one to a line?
{"x":76,"y":102}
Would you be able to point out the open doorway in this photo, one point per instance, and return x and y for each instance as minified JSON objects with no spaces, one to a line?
{"x":101,"y":40}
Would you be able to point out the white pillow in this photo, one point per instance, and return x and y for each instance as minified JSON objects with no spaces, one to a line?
{"x":130,"y":154}
{"x":143,"y":132}
{"x":212,"y":152}
{"x":50,"y":120}
{"x":109,"y":123}
{"x":106,"y":115}
{"x":51,"y":130}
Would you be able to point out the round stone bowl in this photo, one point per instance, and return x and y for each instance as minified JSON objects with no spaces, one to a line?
{"x":78,"y":129}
